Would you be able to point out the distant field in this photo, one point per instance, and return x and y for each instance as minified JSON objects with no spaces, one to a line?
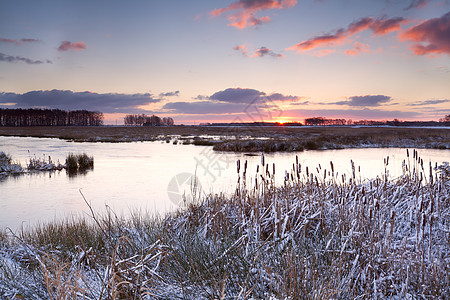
{"x":251,"y":138}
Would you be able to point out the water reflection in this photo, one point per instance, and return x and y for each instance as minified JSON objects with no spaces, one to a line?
{"x":131,"y":176}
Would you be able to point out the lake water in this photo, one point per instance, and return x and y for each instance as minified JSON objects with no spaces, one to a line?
{"x":151,"y":176}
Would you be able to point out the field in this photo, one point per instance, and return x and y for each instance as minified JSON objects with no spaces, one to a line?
{"x":241,"y":139}
{"x":317,"y":236}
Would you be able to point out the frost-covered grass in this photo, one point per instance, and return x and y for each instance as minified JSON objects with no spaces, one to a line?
{"x":7,"y":166}
{"x":75,"y":163}
{"x":316,"y":235}
{"x":43,"y":164}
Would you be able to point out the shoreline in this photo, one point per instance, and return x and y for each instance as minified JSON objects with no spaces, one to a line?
{"x":249,"y":139}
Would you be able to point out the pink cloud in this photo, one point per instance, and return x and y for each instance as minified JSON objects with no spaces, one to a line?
{"x":358,"y":48}
{"x":385,"y":26}
{"x":66,"y":45}
{"x":242,"y":13}
{"x":431,"y":36}
{"x":377,"y":26}
{"x":242,"y":49}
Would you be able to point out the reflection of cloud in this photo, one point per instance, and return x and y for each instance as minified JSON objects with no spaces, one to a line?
{"x":431,"y":36}
{"x":367,"y":100}
{"x":243,"y":12}
{"x":108,"y":103}
{"x":170,"y":94}
{"x":13,"y":59}
{"x":261,"y":52}
{"x":66,"y":45}
{"x":429,"y":102}
{"x":377,"y":26}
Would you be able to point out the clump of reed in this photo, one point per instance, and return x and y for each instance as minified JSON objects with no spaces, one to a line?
{"x":7,"y":166}
{"x":316,"y":234}
{"x":43,"y":163}
{"x":79,"y":162}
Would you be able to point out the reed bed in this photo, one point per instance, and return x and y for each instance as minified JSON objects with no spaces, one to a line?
{"x":316,"y":235}
{"x":79,"y":162}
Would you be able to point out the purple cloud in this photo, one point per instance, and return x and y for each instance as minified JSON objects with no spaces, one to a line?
{"x":64,"y":99}
{"x":417,"y":4}
{"x":367,"y":100}
{"x":170,"y":94}
{"x":429,"y":102}
{"x":19,"y":42}
{"x":236,"y":95}
{"x":14,"y":59}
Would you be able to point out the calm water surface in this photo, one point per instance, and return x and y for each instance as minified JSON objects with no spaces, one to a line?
{"x":138,"y":176}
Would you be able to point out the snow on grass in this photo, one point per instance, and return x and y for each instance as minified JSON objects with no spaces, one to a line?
{"x":315,"y":236}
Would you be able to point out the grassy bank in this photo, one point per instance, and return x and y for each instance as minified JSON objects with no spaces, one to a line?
{"x":244,"y":139}
{"x":317,"y":235}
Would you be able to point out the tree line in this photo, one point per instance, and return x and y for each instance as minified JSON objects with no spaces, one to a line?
{"x":144,"y":120}
{"x":49,"y":117}
{"x":321,"y":121}
{"x":324,"y":121}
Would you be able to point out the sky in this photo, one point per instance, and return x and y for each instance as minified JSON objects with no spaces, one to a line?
{"x":228,"y":61}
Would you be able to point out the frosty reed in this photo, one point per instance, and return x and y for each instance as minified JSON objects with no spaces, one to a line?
{"x":318,"y":234}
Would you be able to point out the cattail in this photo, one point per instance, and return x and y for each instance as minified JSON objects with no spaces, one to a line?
{"x":332,"y":167}
{"x":238,"y":166}
{"x":262,"y":159}
{"x":273,"y":169}
{"x":407,"y":153}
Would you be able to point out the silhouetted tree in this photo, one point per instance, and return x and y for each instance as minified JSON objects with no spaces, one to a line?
{"x":49,"y":117}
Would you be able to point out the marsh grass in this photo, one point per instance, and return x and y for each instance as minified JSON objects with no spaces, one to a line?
{"x":318,"y":234}
{"x":79,"y":162}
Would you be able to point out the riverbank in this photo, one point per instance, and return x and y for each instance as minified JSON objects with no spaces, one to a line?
{"x":317,"y":235}
{"x":250,"y":139}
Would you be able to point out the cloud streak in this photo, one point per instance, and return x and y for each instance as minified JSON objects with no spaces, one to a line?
{"x":15,"y":59}
{"x":261,"y":52}
{"x":170,"y":94}
{"x":19,"y":42}
{"x":243,"y":13}
{"x":77,"y":46}
{"x":364,"y":101}
{"x":69,"y":100}
{"x":429,"y":102}
{"x":431,"y":36}
{"x":417,"y":4}
{"x":377,"y":26}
